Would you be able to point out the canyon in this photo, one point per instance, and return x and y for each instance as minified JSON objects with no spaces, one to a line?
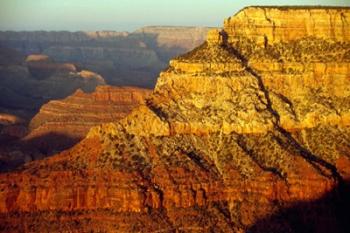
{"x":62,"y":123}
{"x":27,"y":82}
{"x":40,"y":66}
{"x":32,"y":63}
{"x":248,"y":132}
{"x":122,"y":58}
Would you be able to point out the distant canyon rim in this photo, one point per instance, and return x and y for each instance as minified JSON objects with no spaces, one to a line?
{"x":248,"y":132}
{"x":39,"y":66}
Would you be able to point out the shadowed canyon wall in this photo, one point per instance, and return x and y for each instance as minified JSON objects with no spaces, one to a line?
{"x":62,"y":123}
{"x":28,"y":82}
{"x":73,"y":116}
{"x":122,"y":58}
{"x":241,"y":134}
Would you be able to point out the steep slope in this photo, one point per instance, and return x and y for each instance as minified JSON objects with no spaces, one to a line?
{"x":62,"y":123}
{"x":239,"y":135}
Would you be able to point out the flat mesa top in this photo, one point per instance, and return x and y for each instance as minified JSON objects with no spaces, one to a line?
{"x":297,"y":7}
{"x":300,"y":7}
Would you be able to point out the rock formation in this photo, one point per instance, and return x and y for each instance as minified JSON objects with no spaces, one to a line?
{"x":25,"y":85}
{"x":62,"y":123}
{"x":12,"y":128}
{"x":249,"y":132}
{"x":121,"y":58}
{"x":28,"y":83}
{"x":41,"y":66}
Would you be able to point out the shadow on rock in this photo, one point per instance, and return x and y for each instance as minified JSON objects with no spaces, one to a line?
{"x":13,"y":154}
{"x":328,"y":214}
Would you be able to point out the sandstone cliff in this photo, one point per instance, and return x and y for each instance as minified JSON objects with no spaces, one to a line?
{"x":122,"y":58}
{"x":62,"y":123}
{"x":239,"y":135}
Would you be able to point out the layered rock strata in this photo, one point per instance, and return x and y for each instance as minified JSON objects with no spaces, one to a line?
{"x":25,"y":85}
{"x":62,"y":123}
{"x":122,"y":58}
{"x":28,"y":83}
{"x":238,"y":136}
{"x":274,"y":25}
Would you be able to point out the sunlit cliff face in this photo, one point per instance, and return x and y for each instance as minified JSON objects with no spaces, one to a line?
{"x":249,"y":132}
{"x":62,"y":123}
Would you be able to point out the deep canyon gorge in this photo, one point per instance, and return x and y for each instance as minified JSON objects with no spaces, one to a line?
{"x":247,"y":132}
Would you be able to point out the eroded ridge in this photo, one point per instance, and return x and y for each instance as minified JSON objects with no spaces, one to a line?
{"x":247,"y":128}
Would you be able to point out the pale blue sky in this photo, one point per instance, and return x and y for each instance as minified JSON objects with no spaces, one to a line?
{"x":126,"y":15}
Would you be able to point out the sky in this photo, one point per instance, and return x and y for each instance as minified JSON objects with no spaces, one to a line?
{"x":126,"y":15}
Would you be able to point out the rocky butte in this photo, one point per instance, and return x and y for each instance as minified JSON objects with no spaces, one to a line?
{"x":249,"y":132}
{"x":62,"y":123}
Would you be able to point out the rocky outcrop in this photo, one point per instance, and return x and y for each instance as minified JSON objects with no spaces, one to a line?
{"x":8,"y":119}
{"x":28,"y":84}
{"x":25,"y":85}
{"x":11,"y":127}
{"x":121,"y":58}
{"x":62,"y":123}
{"x":236,"y":137}
{"x":274,"y":24}
{"x":42,"y":67}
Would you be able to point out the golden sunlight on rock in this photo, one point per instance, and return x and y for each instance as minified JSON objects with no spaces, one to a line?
{"x":249,"y":132}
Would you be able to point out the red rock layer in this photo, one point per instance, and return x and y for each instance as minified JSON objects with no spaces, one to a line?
{"x":217,"y":147}
{"x":73,"y":182}
{"x":61,"y":123}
